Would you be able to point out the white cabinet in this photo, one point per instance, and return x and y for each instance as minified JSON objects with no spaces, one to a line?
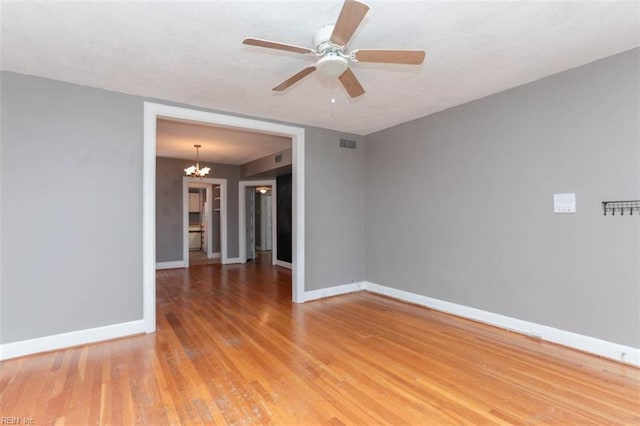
{"x":194,"y":203}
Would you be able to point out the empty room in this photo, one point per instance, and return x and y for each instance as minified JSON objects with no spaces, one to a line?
{"x":320,"y":212}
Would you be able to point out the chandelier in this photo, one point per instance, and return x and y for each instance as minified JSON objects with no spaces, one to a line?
{"x":195,"y":170}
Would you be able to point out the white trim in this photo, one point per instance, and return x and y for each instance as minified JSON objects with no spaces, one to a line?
{"x":298,"y":216}
{"x":566,"y":338}
{"x":242,"y":225}
{"x":154,"y":110}
{"x":231,"y":260}
{"x":215,"y":255}
{"x":333,"y":291}
{"x":169,"y":265}
{"x":73,"y":338}
{"x":151,"y":112}
{"x":283,"y":264}
{"x":208,"y":206}
{"x":185,"y":223}
{"x":206,"y":183}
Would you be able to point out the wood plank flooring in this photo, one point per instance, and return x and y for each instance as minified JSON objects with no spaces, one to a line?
{"x":232,"y":349}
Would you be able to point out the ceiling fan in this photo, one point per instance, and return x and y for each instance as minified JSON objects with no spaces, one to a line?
{"x":330,"y":43}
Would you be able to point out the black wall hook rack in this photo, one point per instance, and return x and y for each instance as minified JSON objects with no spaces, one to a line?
{"x":620,"y":207}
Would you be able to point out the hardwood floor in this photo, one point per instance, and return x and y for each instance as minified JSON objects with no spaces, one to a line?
{"x":199,"y":257}
{"x":232,"y":349}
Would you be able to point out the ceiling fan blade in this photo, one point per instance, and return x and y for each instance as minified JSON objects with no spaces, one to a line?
{"x":351,"y":83}
{"x":410,"y":57}
{"x":351,"y":15}
{"x":279,"y":46}
{"x":294,"y":79}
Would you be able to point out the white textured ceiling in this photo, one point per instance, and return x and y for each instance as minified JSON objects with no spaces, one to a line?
{"x":192,"y":52}
{"x":176,"y":139}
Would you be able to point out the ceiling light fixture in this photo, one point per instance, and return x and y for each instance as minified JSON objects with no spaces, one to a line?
{"x":195,"y":170}
{"x":332,"y":65}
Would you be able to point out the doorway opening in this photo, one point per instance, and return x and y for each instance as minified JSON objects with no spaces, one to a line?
{"x":258,"y":211}
{"x":204,"y":221}
{"x":154,"y":111}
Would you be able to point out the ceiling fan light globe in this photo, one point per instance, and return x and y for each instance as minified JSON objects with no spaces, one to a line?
{"x":332,"y":66}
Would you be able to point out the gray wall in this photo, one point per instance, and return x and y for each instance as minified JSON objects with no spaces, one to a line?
{"x":72,"y":228}
{"x":459,"y":204}
{"x":169,"y":173}
{"x":267,"y":163}
{"x":72,"y":208}
{"x":334,"y":210}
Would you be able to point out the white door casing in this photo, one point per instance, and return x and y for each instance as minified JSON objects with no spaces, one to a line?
{"x":250,"y":221}
{"x":242,"y":187}
{"x":266,"y":225}
{"x":208,"y":184}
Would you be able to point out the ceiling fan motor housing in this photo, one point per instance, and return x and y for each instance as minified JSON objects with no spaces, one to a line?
{"x":332,"y":63}
{"x":322,"y":36}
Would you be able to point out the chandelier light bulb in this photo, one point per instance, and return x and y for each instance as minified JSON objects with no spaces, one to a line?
{"x":195,"y":170}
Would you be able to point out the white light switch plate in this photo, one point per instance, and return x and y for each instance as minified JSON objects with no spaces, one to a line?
{"x":564,"y":203}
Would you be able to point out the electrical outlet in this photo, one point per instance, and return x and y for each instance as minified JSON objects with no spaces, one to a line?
{"x":564,"y":203}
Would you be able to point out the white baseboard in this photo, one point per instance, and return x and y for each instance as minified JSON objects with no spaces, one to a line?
{"x":283,"y":264}
{"x":581,"y":342}
{"x":231,"y":260}
{"x":215,"y":255}
{"x":170,"y":265}
{"x":73,"y":338}
{"x":332,"y":291}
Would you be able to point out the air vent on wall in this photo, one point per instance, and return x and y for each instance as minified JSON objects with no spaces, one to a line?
{"x":278,"y":158}
{"x":346,"y":143}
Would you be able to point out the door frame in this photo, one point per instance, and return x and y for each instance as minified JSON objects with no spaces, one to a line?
{"x":242,"y":219}
{"x":206,"y":183}
{"x":153,"y":111}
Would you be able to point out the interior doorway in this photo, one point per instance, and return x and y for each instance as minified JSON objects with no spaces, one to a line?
{"x":257,"y":212}
{"x":152,"y":112}
{"x":204,"y":224}
{"x":263,"y":220}
{"x":204,"y":213}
